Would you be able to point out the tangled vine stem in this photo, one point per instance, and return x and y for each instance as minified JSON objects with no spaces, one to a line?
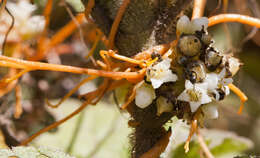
{"x":149,"y":137}
{"x":222,"y":18}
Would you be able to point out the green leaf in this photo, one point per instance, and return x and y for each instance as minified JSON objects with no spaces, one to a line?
{"x":229,"y":146}
{"x":32,"y":152}
{"x":77,"y":5}
{"x":193,"y":153}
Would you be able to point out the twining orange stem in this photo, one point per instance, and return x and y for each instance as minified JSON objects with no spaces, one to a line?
{"x":193,"y":129}
{"x":92,"y":50}
{"x":159,"y":147}
{"x":116,"y":22}
{"x":145,"y":55}
{"x":42,"y":39}
{"x":18,"y":106}
{"x":131,"y":98}
{"x":47,"y":13}
{"x":14,"y":77}
{"x":70,"y":92}
{"x":240,"y":94}
{"x":123,"y":58}
{"x":198,"y":8}
{"x":222,"y":18}
{"x":23,"y":64}
{"x":90,"y":5}
{"x":67,"y":30}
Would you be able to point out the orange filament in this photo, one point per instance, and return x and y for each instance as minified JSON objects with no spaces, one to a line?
{"x":221,"y":18}
{"x":193,"y":129}
{"x":56,"y":124}
{"x":92,"y":50}
{"x":240,"y":94}
{"x":15,"y":77}
{"x":130,"y":99}
{"x":123,"y":58}
{"x":90,"y":5}
{"x":23,"y":64}
{"x":18,"y":106}
{"x":198,"y":8}
{"x":116,"y":22}
{"x":70,"y":92}
{"x":42,"y":39}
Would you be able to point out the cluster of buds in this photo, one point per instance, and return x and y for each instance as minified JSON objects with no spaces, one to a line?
{"x":192,"y":73}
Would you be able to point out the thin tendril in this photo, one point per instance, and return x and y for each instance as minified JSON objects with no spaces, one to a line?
{"x":9,"y":29}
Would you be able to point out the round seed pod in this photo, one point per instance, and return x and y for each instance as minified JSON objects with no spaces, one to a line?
{"x":212,"y":59}
{"x":195,"y":72}
{"x":189,"y":45}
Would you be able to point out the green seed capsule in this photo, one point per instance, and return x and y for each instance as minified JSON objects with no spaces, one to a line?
{"x":189,"y":45}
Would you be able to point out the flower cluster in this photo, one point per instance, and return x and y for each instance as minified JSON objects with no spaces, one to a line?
{"x":204,"y":72}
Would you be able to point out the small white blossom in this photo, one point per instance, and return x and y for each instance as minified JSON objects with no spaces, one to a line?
{"x":160,"y":73}
{"x":196,"y":94}
{"x":163,"y":105}
{"x":145,"y":95}
{"x":184,"y":25}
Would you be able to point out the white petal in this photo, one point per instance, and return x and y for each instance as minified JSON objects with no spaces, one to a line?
{"x":205,"y":98}
{"x":163,"y":105}
{"x":156,"y":82}
{"x":183,"y":25}
{"x":197,"y":24}
{"x":227,"y":90}
{"x":169,"y":77}
{"x":203,"y":86}
{"x":212,"y":80}
{"x":222,"y":73}
{"x":210,"y":111}
{"x":145,"y":95}
{"x":184,"y":96}
{"x":234,"y":65}
{"x":188,"y":84}
{"x":160,"y":73}
{"x":194,"y":106}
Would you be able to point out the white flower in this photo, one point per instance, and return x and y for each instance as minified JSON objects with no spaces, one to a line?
{"x":145,"y":95}
{"x":163,"y":105}
{"x":184,"y":25}
{"x":195,"y":94}
{"x":160,"y":73}
{"x":212,"y":80}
